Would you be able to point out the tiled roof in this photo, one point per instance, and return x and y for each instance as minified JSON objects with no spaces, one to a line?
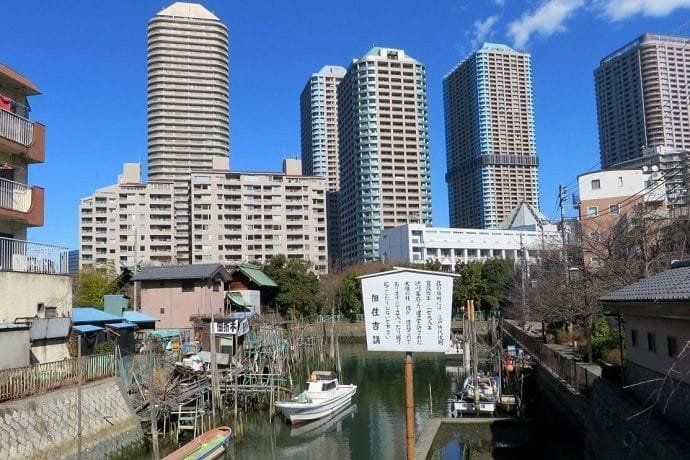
{"x":256,"y":275}
{"x":182,"y":272}
{"x":670,"y":286}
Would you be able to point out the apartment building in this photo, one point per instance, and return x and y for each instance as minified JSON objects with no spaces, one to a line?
{"x":383,"y":130}
{"x":319,"y":128}
{"x":252,"y":216}
{"x":128,"y":223}
{"x":642,"y":98}
{"x":36,"y":289}
{"x":188,"y":103}
{"x":491,"y":154}
{"x":605,"y":196}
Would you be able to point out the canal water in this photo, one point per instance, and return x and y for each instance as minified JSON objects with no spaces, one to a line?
{"x":374,"y":427}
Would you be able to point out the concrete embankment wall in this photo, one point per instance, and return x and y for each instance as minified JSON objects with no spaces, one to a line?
{"x":45,"y":426}
{"x":609,"y":421}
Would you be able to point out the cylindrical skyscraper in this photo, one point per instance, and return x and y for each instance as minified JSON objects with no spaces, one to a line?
{"x":188,"y":106}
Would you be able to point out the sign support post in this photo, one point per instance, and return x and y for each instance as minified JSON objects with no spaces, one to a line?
{"x":409,"y":405}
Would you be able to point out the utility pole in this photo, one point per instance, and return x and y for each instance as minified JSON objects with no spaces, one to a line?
{"x":562,"y":195}
{"x":523,"y":283}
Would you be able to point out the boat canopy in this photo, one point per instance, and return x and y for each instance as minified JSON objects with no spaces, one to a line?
{"x":322,"y":375}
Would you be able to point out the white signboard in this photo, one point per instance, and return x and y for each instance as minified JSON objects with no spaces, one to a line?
{"x":407,"y":310}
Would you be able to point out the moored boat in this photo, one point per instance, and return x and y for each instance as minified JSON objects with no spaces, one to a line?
{"x":324,"y":396}
{"x":209,"y":445}
{"x":481,"y":399}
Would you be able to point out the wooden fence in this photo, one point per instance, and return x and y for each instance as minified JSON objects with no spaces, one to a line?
{"x":567,"y":369}
{"x":31,"y":380}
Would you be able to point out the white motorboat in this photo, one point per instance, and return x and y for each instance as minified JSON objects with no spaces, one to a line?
{"x":468,"y":402}
{"x":324,"y":396}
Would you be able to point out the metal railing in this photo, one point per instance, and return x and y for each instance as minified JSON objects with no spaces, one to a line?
{"x":16,"y":128}
{"x":567,"y":369}
{"x":26,"y":256}
{"x":38,"y":378}
{"x":15,"y":196}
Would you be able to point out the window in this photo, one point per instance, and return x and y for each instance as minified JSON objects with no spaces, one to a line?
{"x":216,"y":286}
{"x":614,"y":209}
{"x":651,"y":342}
{"x":620,"y":181}
{"x":633,"y":337}
{"x":672,"y":345}
{"x":187,"y":285}
{"x":162,"y":311}
{"x":592,"y":211}
{"x":596,"y":184}
{"x":51,"y":312}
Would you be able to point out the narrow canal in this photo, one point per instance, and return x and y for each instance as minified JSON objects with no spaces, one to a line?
{"x":375,"y":428}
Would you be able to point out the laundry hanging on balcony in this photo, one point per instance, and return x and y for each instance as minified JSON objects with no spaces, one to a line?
{"x":5,"y":103}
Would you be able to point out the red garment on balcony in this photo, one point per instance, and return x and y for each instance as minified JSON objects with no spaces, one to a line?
{"x":5,"y":103}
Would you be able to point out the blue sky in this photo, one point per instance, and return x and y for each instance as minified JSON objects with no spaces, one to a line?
{"x":89,"y":60}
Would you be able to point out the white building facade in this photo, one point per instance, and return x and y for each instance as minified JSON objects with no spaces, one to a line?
{"x":417,"y":243}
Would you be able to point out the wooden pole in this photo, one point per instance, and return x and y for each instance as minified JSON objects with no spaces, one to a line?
{"x":79,"y":397}
{"x":409,"y":405}
{"x":152,"y":402}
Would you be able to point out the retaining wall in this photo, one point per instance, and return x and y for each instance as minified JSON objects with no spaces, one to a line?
{"x":45,"y":427}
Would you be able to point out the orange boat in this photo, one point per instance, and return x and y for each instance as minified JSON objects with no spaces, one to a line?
{"x":211,"y":444}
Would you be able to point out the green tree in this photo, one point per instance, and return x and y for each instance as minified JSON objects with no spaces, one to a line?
{"x":298,"y":287}
{"x":92,"y":284}
{"x":349,"y":294}
{"x":497,"y":275}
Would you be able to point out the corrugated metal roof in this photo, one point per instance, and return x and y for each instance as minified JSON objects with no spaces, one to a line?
{"x":81,"y":315}
{"x":182,"y":272}
{"x":84,"y":328}
{"x":237,"y":299}
{"x":138,"y":317}
{"x":672,"y":286}
{"x":256,"y":275}
{"x":50,"y":328}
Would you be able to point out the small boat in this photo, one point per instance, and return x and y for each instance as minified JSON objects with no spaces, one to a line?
{"x":324,"y":396}
{"x":209,"y":445}
{"x":465,"y":401}
{"x":321,"y":426}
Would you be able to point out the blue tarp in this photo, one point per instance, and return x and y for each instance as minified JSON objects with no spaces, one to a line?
{"x":122,"y":325}
{"x":242,"y":314}
{"x":84,"y":328}
{"x":138,"y":317}
{"x":90,"y":315}
{"x":166,"y":332}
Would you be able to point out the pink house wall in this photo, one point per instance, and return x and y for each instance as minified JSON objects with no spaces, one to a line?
{"x":173,"y":307}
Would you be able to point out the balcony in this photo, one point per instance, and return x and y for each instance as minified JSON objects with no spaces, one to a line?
{"x":20,"y":202}
{"x":20,"y":135}
{"x":29,"y":257}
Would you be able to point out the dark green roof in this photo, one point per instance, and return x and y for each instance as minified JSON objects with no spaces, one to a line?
{"x":255,"y":274}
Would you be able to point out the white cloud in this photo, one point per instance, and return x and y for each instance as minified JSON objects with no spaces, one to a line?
{"x":618,"y":10}
{"x":482,"y":30}
{"x":546,"y":20}
{"x":500,"y":2}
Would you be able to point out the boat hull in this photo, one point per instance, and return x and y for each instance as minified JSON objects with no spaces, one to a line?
{"x":299,"y":412}
{"x":209,"y":445}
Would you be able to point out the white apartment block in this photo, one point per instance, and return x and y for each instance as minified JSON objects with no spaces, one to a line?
{"x":252,"y":216}
{"x":127,"y":223}
{"x":417,"y":243}
{"x":383,"y":130}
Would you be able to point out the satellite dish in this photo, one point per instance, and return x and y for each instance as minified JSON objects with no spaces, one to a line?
{"x":644,"y":169}
{"x":655,"y":168}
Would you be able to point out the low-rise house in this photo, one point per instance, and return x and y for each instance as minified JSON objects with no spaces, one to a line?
{"x":656,"y":314}
{"x":249,"y":288}
{"x":174,"y":294}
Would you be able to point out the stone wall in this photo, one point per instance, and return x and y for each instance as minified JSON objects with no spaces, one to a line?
{"x":45,"y":427}
{"x":670,"y":398}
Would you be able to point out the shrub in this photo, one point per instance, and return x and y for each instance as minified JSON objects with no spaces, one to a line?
{"x":611,"y":355}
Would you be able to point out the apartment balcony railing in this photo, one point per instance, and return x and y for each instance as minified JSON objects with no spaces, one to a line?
{"x":27,"y":256}
{"x":24,"y":136}
{"x":21,"y":202}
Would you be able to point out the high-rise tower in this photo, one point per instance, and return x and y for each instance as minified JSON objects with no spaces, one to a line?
{"x":642,"y":98}
{"x":384,"y":150}
{"x":490,"y":143}
{"x":188,"y":108}
{"x":319,"y":122}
